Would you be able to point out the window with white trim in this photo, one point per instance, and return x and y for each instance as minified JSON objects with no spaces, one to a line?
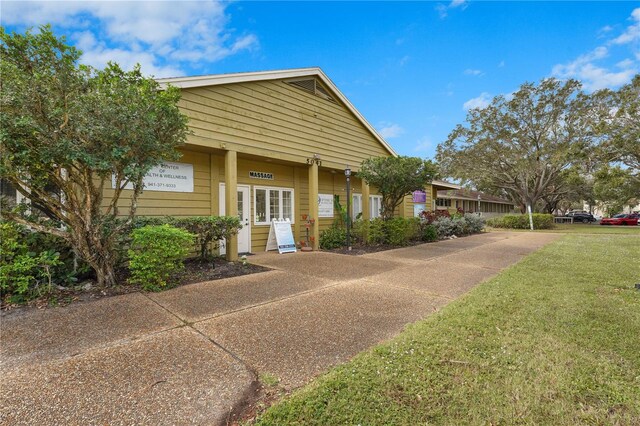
{"x":443,"y":202}
{"x":356,"y":205}
{"x":272,"y":203}
{"x":375,"y":206}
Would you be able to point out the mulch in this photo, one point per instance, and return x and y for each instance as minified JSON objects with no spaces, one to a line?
{"x":195,"y":271}
{"x":359,"y":250}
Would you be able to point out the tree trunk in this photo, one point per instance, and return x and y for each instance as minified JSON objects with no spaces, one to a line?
{"x":98,"y":253}
{"x":105,"y":275}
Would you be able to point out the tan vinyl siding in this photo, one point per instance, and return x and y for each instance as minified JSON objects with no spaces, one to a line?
{"x":279,"y":118}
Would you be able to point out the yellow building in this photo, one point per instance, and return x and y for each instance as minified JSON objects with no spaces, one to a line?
{"x":269,"y":145}
{"x":263,"y":144}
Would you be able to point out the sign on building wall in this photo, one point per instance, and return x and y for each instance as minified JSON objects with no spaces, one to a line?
{"x":261,"y":175}
{"x":325,"y":205}
{"x":169,"y":177}
{"x":419,"y":197}
{"x":418,"y":209}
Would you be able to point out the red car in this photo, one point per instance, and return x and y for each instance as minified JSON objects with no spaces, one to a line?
{"x":621,"y":219}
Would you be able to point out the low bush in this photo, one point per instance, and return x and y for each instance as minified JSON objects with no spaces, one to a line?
{"x":156,"y":254}
{"x":474,"y":223}
{"x":24,"y":273}
{"x":376,"y":234}
{"x":521,"y":221}
{"x":447,"y":227}
{"x":209,"y":230}
{"x":430,"y":216}
{"x":400,"y":231}
{"x":333,"y":237}
{"x":458,"y":225}
{"x":429,"y":233}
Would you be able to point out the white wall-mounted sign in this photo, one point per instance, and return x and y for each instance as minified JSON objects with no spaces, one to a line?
{"x":169,"y":177}
{"x":325,"y":205}
{"x":261,"y":175}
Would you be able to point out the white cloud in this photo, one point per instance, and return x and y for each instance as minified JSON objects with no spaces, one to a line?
{"x":424,"y":145}
{"x":501,"y":64}
{"x":404,"y":60}
{"x":481,"y":101}
{"x":470,"y":71}
{"x":632,"y":33}
{"x":588,"y":67}
{"x":158,"y":34}
{"x":389,"y":130}
{"x":443,"y":9}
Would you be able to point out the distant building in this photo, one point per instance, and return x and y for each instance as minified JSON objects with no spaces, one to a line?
{"x":474,"y":202}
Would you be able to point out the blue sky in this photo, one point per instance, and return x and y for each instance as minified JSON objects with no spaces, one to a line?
{"x":411,"y":68}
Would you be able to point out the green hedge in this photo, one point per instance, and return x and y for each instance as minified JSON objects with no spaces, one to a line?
{"x":521,"y":221}
{"x":157,"y":253}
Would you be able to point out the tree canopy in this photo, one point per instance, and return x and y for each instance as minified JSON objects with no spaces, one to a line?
{"x":520,"y":145}
{"x":620,"y":124}
{"x":396,"y":177}
{"x":67,"y":130}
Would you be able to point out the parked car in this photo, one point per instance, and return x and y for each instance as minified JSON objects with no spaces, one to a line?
{"x":583,"y":217}
{"x":621,"y":219}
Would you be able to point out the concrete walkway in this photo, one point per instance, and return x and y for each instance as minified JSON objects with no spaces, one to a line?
{"x":192,"y":354}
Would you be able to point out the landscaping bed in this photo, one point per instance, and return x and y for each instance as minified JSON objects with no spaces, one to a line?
{"x":359,"y":250}
{"x":194,"y":271}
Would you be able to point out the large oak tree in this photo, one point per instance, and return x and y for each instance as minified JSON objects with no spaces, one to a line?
{"x":519,"y":145}
{"x":66,"y":129}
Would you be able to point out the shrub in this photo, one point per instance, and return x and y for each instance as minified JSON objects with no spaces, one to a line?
{"x":521,"y":221}
{"x":359,"y":231}
{"x":70,"y":267}
{"x":458,"y":225}
{"x":431,"y":215}
{"x":23,"y":273}
{"x":429,"y":233}
{"x":474,"y":223}
{"x":209,"y":230}
{"x":445,"y":227}
{"x":333,"y":237}
{"x":376,"y":232}
{"x":156,"y":253}
{"x":400,"y":231}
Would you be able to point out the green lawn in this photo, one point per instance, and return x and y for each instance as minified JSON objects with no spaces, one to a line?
{"x":580,"y":228}
{"x":554,"y":340}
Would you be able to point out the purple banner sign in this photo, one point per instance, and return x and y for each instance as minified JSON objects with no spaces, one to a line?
{"x":419,"y":197}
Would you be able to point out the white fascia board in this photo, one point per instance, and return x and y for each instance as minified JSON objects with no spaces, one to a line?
{"x":443,"y":184}
{"x":214,"y":80}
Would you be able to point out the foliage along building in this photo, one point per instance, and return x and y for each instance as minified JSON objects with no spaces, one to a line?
{"x":473,"y":202}
{"x":268,"y":145}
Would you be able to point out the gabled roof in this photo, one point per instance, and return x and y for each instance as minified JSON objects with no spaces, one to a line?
{"x":441,"y":184}
{"x":218,"y":79}
{"x":467,"y":194}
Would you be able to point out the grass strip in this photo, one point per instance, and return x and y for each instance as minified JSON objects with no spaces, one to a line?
{"x":554,"y":339}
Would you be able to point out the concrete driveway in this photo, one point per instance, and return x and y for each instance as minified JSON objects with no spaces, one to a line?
{"x":192,"y":355}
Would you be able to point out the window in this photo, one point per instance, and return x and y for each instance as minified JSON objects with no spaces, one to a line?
{"x":375,"y":206}
{"x":443,"y":202}
{"x":272,"y":203}
{"x":356,"y":205}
